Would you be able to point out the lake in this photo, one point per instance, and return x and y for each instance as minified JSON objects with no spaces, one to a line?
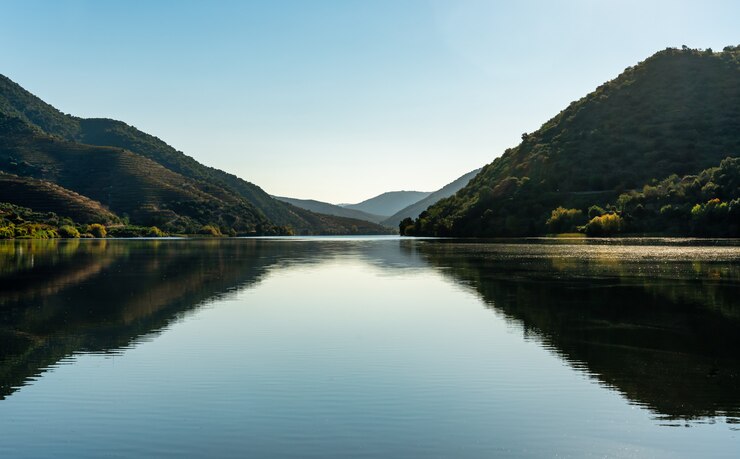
{"x":369,"y":347}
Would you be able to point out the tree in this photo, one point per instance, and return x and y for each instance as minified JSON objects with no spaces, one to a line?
{"x":406,"y":227}
{"x":97,"y":230}
{"x":564,"y":220}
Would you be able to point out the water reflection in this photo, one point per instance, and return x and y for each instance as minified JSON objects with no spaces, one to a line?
{"x":660,"y":323}
{"x":58,"y":298}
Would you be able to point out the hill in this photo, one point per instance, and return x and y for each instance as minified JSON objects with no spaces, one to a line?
{"x":388,"y":203}
{"x":126,"y":183}
{"x":178,"y":189}
{"x":420,"y":206}
{"x":43,"y":196}
{"x":330,"y":209}
{"x":677,"y":112}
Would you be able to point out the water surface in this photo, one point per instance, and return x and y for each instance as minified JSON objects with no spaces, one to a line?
{"x":370,"y":347}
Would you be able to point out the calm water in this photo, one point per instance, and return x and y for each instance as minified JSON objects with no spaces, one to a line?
{"x":377,"y":347}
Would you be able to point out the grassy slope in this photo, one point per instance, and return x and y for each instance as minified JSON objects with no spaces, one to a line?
{"x":676,"y":112}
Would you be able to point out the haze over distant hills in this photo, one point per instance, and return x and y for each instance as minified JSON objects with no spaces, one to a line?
{"x":137,"y":176}
{"x":330,"y":209}
{"x":677,"y":112}
{"x":413,"y":210}
{"x":388,"y":203}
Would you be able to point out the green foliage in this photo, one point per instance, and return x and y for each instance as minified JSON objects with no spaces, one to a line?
{"x":406,"y":227}
{"x":135,"y":231}
{"x":7,"y":231}
{"x":605,"y":225}
{"x":677,"y":112}
{"x":716,"y":218}
{"x":210,"y":230}
{"x":668,"y":207}
{"x":97,"y":230}
{"x":156,"y":232}
{"x":595,"y":211}
{"x":564,"y":220}
{"x":68,"y":231}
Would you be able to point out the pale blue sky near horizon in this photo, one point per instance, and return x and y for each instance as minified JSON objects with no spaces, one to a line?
{"x":340,"y":100}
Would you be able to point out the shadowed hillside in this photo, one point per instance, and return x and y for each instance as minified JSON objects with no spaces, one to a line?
{"x":178,"y":193}
{"x":43,"y":196}
{"x":126,"y":183}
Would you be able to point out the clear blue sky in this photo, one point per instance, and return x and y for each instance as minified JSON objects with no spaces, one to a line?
{"x":340,"y":100}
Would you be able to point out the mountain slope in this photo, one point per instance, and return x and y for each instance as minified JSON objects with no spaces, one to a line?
{"x":125,"y":182}
{"x":418,"y":207}
{"x":388,"y":203}
{"x":678,"y":112}
{"x":18,"y":103}
{"x":330,"y":209}
{"x":43,"y":196}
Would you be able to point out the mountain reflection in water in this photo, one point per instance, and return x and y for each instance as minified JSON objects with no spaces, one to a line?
{"x":660,"y":324}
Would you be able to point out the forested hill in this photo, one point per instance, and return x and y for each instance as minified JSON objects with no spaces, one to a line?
{"x":677,"y":112}
{"x":183,"y":194}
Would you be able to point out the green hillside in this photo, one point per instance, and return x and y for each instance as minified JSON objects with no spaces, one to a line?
{"x":677,"y":112}
{"x":140,"y":176}
{"x":128,"y":184}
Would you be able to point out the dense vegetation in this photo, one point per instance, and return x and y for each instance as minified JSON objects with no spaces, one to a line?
{"x":678,"y":112}
{"x":707,"y":204}
{"x":140,"y":177}
{"x":18,"y":222}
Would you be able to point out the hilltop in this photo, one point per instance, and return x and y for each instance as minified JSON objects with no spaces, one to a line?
{"x":677,"y":112}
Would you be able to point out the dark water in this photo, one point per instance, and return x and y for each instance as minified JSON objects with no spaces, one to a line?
{"x":373,"y":347}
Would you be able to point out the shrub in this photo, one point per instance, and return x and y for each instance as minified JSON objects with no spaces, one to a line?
{"x":68,"y":231}
{"x":155,"y":232}
{"x":564,"y":220}
{"x":604,"y":225}
{"x":210,"y":230}
{"x":7,"y":232}
{"x":97,"y":230}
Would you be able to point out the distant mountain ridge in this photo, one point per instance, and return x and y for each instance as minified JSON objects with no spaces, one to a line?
{"x":388,"y":203}
{"x":39,"y":141}
{"x":330,"y":209}
{"x":415,"y":209}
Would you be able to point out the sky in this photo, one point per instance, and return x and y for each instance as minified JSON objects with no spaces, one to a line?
{"x":340,"y":100}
